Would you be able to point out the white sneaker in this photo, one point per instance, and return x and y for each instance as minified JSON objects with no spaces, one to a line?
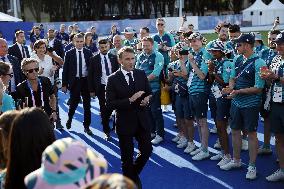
{"x":213,"y":130}
{"x":224,"y":161}
{"x":244,"y":144}
{"x":190,"y":147}
{"x":218,"y":156}
{"x":183,"y":143}
{"x":217,"y":144}
{"x":229,"y":130}
{"x":251,"y":174}
{"x":157,"y":140}
{"x":264,"y":151}
{"x":231,"y":165}
{"x":276,"y":176}
{"x":165,"y":108}
{"x":201,"y":155}
{"x":196,"y":151}
{"x":176,"y":139}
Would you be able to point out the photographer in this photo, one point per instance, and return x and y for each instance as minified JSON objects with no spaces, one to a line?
{"x":45,"y":56}
{"x":47,"y":59}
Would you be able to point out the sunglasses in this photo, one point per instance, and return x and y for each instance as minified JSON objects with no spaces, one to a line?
{"x":272,"y":39}
{"x":139,"y":49}
{"x":10,"y":74}
{"x":160,"y":24}
{"x":32,"y":70}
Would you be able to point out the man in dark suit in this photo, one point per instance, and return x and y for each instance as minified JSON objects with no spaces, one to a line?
{"x":101,"y":66}
{"x":74,"y":77}
{"x":18,"y":49}
{"x":128,"y":92}
{"x":16,"y":66}
{"x":54,"y":44}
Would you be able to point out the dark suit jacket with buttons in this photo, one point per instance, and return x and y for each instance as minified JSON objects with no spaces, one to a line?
{"x":70,"y":66}
{"x":95,"y":71}
{"x":16,"y":65}
{"x":15,"y":51}
{"x":128,"y":116}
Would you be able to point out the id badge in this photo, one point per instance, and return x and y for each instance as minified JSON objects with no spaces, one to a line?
{"x":216,"y":91}
{"x":277,"y":96}
{"x":190,"y":77}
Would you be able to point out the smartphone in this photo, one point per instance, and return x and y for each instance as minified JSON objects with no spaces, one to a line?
{"x":27,"y":101}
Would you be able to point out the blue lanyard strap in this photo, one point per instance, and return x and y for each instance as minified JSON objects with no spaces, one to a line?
{"x":32,"y":93}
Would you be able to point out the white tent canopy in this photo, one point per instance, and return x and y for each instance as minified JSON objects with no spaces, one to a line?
{"x":5,"y":17}
{"x":276,"y":9}
{"x":256,"y":13}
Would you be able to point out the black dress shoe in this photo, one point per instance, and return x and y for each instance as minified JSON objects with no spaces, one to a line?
{"x":68,"y":125}
{"x":59,"y":126}
{"x":88,"y":131}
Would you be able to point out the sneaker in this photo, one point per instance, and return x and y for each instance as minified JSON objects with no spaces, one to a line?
{"x":201,"y":155}
{"x":229,"y":130}
{"x":190,"y":147}
{"x":244,"y":144}
{"x":217,"y":144}
{"x":224,"y":161}
{"x":183,"y":143}
{"x":196,"y":151}
{"x":218,"y":156}
{"x":176,"y":139}
{"x":213,"y":130}
{"x":165,"y":109}
{"x":276,"y":176}
{"x":264,"y":151}
{"x":231,"y":165}
{"x":157,"y":140}
{"x":251,"y":174}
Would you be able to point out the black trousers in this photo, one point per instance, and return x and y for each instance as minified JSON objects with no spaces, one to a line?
{"x":105,"y":112}
{"x":80,"y":88}
{"x":129,"y":168}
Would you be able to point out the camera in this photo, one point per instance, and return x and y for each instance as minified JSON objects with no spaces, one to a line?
{"x":184,"y":18}
{"x":58,"y":83}
{"x":50,"y":49}
{"x":183,"y":52}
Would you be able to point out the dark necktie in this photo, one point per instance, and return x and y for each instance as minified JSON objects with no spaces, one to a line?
{"x":131,"y":83}
{"x":3,"y":58}
{"x":106,"y":66}
{"x":23,"y":51}
{"x":80,"y":64}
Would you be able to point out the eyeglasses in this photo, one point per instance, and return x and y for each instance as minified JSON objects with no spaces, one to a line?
{"x":139,"y":49}
{"x":32,"y":70}
{"x":160,"y":24}
{"x":10,"y":74}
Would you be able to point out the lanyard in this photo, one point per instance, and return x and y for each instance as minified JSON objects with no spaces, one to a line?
{"x":32,"y":94}
{"x":247,"y":66}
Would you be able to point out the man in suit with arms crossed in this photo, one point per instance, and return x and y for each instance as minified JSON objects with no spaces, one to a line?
{"x":101,"y":66}
{"x":128,"y":92}
{"x":74,"y":77}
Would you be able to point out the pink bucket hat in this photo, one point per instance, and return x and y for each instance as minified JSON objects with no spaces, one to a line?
{"x":66,"y":164}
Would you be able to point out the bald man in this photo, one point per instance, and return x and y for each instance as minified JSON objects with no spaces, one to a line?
{"x":14,"y":62}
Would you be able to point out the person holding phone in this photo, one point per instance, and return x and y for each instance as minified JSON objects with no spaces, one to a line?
{"x":36,"y":91}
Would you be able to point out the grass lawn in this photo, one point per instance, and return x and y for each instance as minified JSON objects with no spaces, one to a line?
{"x":212,"y":36}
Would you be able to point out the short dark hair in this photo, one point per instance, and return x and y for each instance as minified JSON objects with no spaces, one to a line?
{"x":38,"y":43}
{"x":31,"y":133}
{"x":72,"y":36}
{"x":148,"y":38}
{"x":19,"y":32}
{"x":124,"y":49}
{"x":4,"y":68}
{"x":146,"y":29}
{"x":79,"y":35}
{"x":274,"y":32}
{"x":234,"y":28}
{"x":103,"y":41}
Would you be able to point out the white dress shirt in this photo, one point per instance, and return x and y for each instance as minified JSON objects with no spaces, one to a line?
{"x":126,"y":76}
{"x":104,"y":76}
{"x":84,"y":65}
{"x":47,"y":65}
